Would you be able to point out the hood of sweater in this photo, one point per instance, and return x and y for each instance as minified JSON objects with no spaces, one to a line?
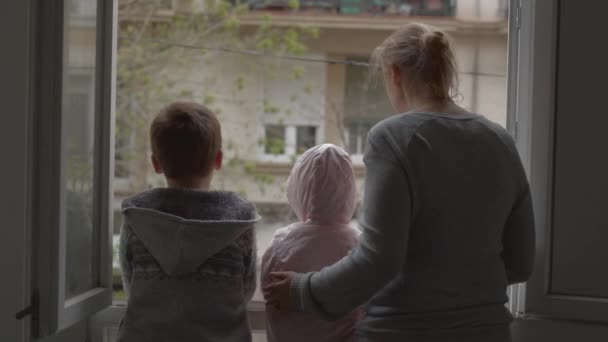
{"x":182,"y":228}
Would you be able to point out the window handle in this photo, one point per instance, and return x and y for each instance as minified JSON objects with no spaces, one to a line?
{"x":25,"y":312}
{"x":29,"y":310}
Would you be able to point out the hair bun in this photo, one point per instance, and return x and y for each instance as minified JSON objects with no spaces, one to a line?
{"x":435,"y":42}
{"x":424,"y":54}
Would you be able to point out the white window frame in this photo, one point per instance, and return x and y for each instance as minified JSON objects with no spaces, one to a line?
{"x":53,"y":311}
{"x":290,"y":145}
{"x":356,"y":157}
{"x":518,"y":42}
{"x":536,"y":116}
{"x":291,"y":137}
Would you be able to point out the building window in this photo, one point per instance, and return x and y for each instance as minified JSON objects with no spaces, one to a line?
{"x":281,"y":143}
{"x":355,"y":137}
{"x":293,"y":104}
{"x":274,"y":140}
{"x":166,"y":5}
{"x":365,"y":104}
{"x":306,"y":137}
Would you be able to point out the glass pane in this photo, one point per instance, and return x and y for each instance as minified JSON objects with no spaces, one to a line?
{"x":365,"y":99}
{"x":78,"y":145}
{"x":353,"y":138}
{"x":306,"y":138}
{"x":122,"y":151}
{"x":273,"y":101}
{"x":275,"y":139}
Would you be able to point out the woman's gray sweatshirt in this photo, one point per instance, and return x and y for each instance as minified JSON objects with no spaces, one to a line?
{"x":447,"y":225}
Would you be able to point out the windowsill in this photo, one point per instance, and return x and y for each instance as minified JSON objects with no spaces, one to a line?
{"x":256,"y":311}
{"x":253,"y":306}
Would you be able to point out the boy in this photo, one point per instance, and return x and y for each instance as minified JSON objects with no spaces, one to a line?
{"x":187,"y":254}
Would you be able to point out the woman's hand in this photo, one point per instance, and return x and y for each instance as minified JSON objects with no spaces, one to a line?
{"x":278,"y":293}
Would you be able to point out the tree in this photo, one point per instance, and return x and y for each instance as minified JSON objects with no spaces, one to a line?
{"x":156,"y":52}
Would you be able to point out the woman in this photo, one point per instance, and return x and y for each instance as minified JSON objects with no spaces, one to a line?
{"x":447,"y":215}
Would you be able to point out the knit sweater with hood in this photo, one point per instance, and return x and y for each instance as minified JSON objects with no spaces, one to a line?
{"x":321,"y":190}
{"x":188,"y":260}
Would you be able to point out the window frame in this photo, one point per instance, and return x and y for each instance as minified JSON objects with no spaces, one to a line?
{"x":111,"y":317}
{"x":537,"y":95}
{"x":54,"y":311}
{"x":291,"y":137}
{"x":517,"y":37}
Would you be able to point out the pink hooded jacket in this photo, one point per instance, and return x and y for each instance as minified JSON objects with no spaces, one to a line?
{"x":321,"y":190}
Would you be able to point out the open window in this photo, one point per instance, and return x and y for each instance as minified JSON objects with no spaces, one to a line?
{"x":558,"y":128}
{"x":74,"y":167}
{"x":273,"y":100}
{"x":73,"y":195}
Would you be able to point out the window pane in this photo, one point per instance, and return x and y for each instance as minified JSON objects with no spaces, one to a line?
{"x":123,"y":151}
{"x":365,"y":104}
{"x":274,"y":141}
{"x":78,"y":146}
{"x":353,"y":138}
{"x":306,"y":138}
{"x":273,"y":106}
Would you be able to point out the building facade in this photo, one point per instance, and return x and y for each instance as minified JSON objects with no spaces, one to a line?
{"x":285,"y":105}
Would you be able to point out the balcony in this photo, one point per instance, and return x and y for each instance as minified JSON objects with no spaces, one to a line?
{"x":423,"y":8}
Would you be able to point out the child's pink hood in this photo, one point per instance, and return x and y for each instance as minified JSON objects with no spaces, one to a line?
{"x":321,"y":188}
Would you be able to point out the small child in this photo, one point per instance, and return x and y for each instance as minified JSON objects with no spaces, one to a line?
{"x":321,"y":190}
{"x":188,"y":255}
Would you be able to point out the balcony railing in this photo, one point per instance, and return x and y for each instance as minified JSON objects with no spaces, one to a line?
{"x":362,"y":7}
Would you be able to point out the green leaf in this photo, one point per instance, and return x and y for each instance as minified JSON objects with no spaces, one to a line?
{"x":234,"y":162}
{"x":240,"y":83}
{"x":185,"y":93}
{"x":270,"y":108}
{"x":297,"y":72}
{"x":275,"y":146}
{"x":266,"y":43}
{"x":223,"y":8}
{"x":241,"y":8}
{"x":293,"y":4}
{"x":232,"y":22}
{"x":308,"y":89}
{"x":249,"y":167}
{"x":312,"y":32}
{"x":209,"y":100}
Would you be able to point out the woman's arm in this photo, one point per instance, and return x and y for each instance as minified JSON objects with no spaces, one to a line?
{"x":519,"y":240}
{"x":338,"y":289}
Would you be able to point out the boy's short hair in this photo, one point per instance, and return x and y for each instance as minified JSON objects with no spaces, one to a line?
{"x":185,"y":139}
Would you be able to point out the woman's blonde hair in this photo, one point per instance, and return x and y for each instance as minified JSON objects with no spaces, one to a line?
{"x":424,"y":54}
